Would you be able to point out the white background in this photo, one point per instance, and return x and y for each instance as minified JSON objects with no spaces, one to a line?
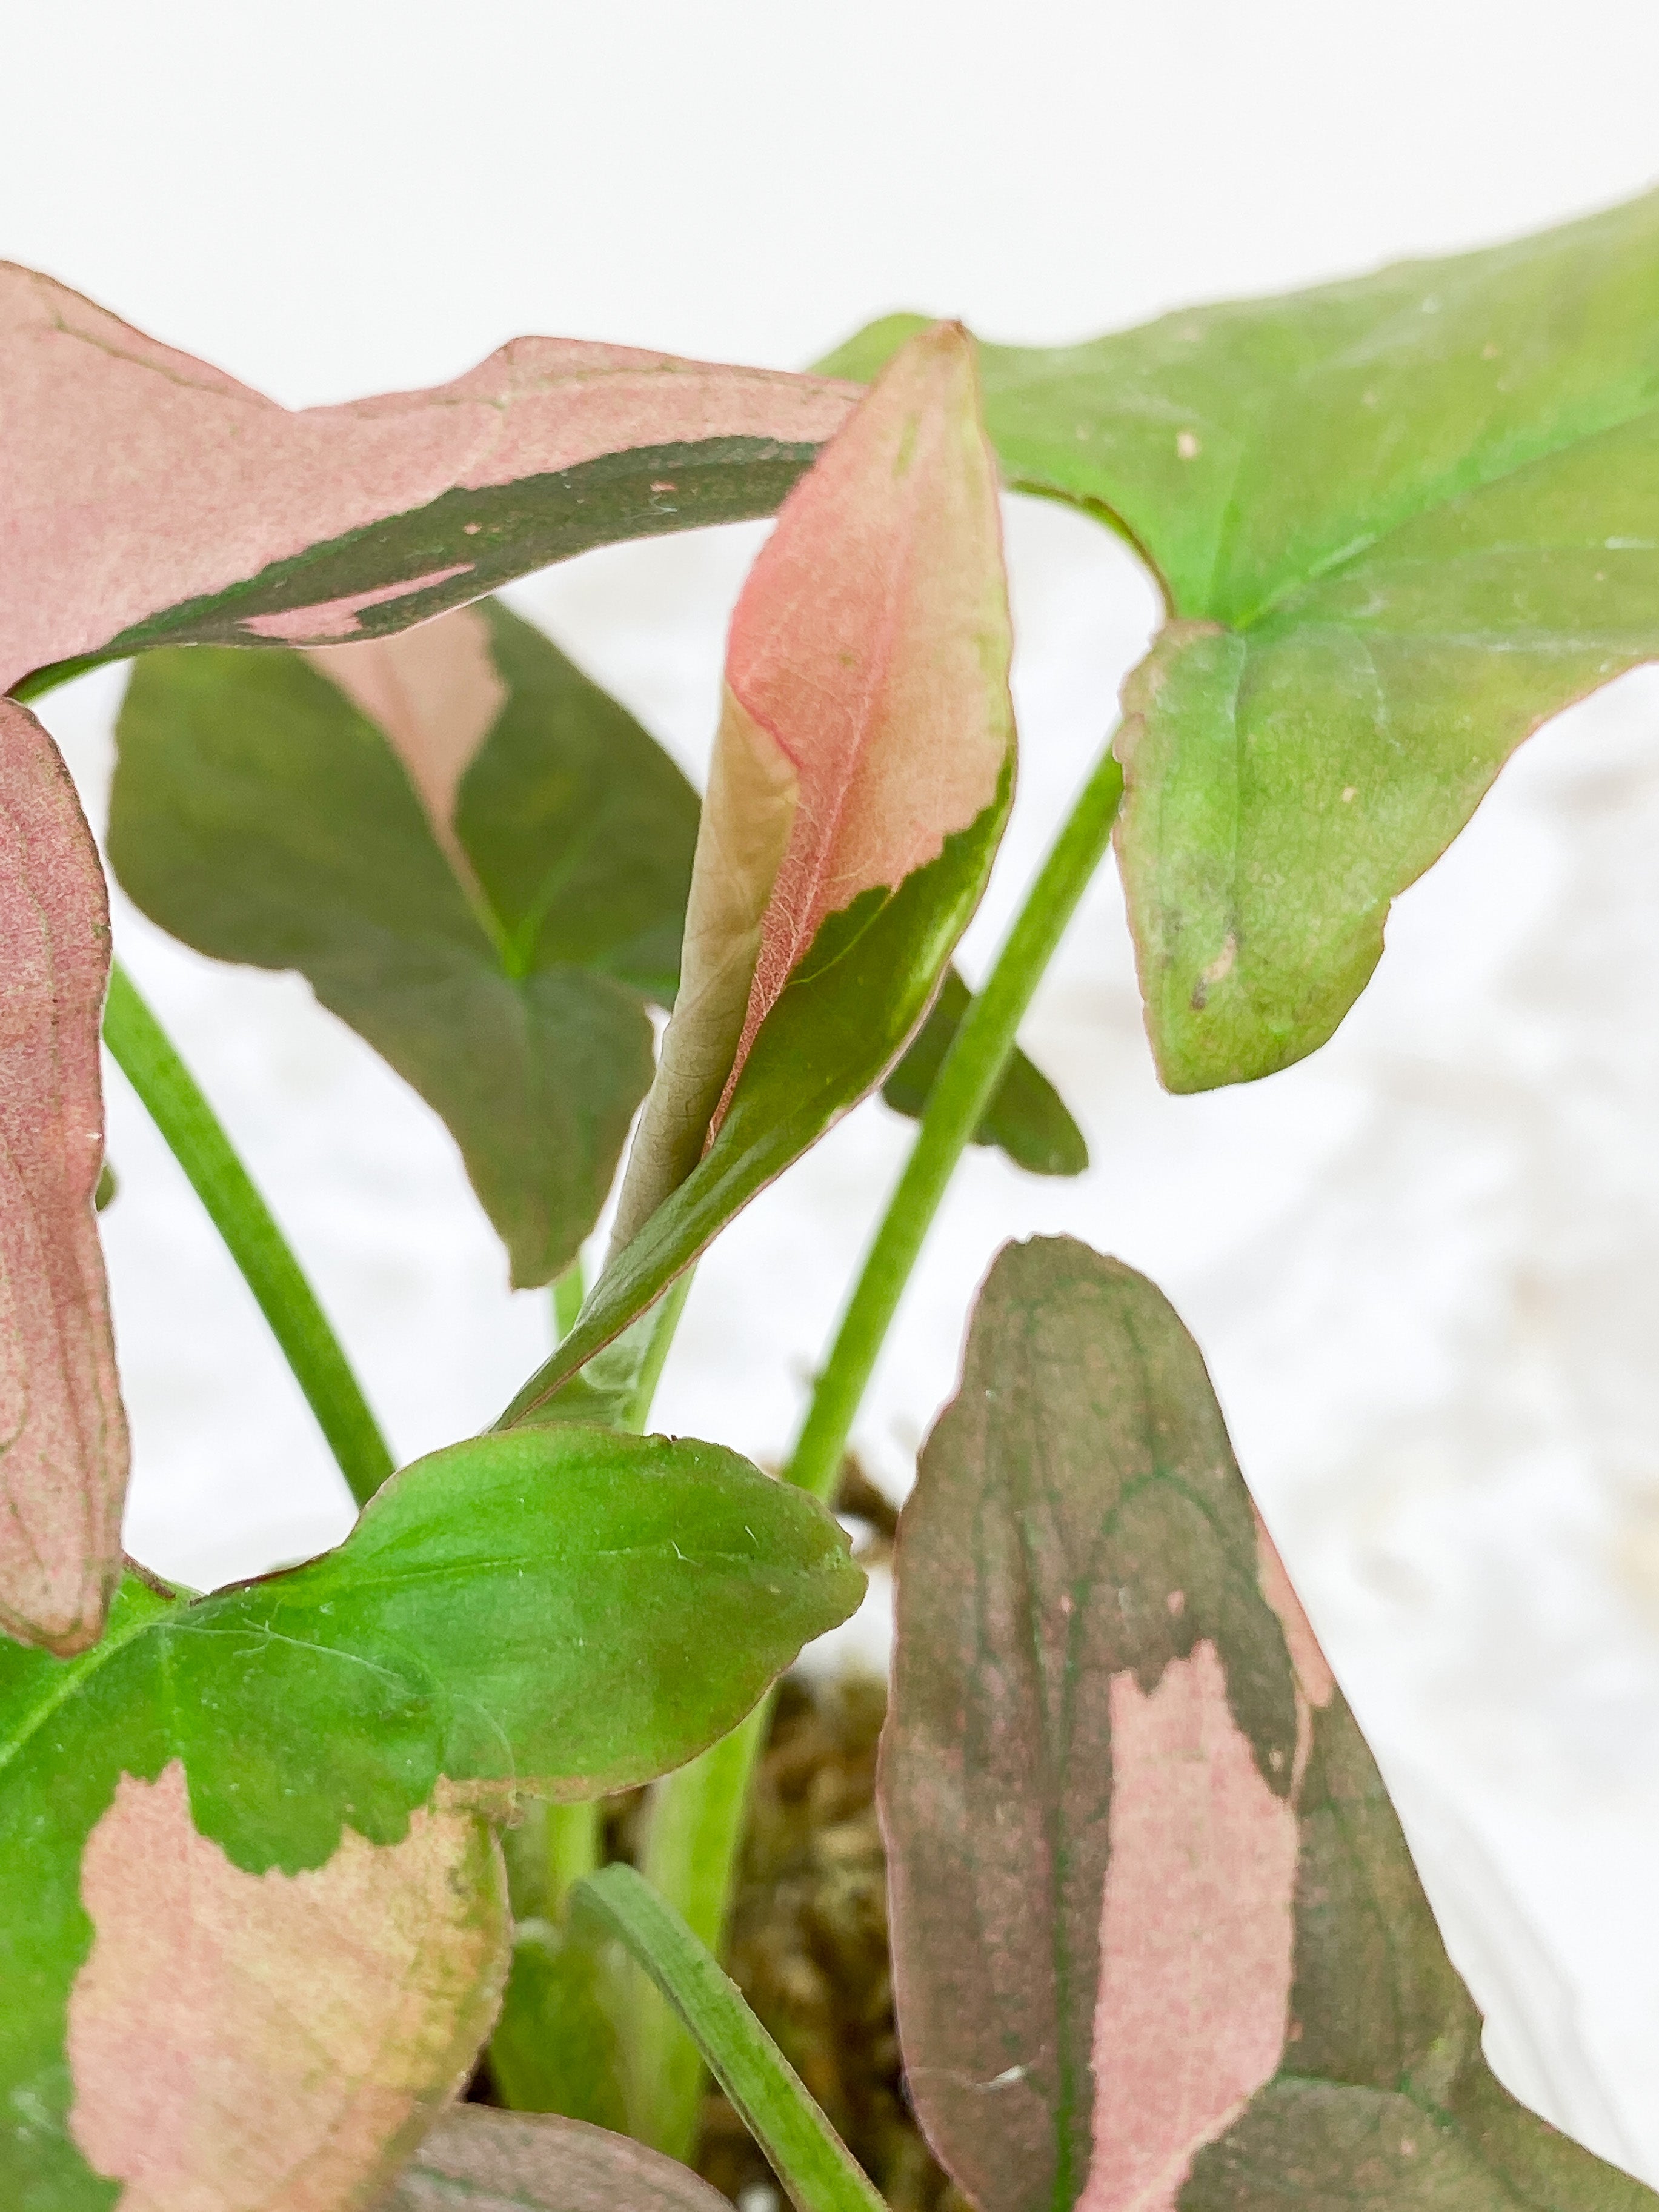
{"x":1424,"y":1266}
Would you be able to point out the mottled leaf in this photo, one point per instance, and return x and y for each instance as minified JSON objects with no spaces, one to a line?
{"x":478,"y":858}
{"x":1026,"y":1118}
{"x":151,"y":500}
{"x":1399,"y":522}
{"x":561,"y":1612}
{"x":860,"y":778}
{"x":274,"y":2043}
{"x":1157,"y":1938}
{"x":63,"y":1434}
{"x":479,"y":2160}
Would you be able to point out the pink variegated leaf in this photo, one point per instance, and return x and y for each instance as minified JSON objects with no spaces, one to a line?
{"x":62,"y":1434}
{"x":274,"y":2042}
{"x":1157,"y":1938}
{"x":861,"y":774}
{"x":148,"y":499}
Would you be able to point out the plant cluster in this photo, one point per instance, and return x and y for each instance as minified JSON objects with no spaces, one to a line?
{"x":286,"y":1859}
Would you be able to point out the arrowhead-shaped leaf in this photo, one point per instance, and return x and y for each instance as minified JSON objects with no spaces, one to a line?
{"x":151,"y":500}
{"x":860,"y":779}
{"x":63,"y":1434}
{"x":1399,"y":523}
{"x":561,"y":1612}
{"x":1157,"y":1937}
{"x":475,"y":2160}
{"x":478,"y":858}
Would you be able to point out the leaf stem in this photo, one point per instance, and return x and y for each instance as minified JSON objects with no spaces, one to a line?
{"x":773,"y":2101}
{"x":696,"y":1817}
{"x":966,"y":1081}
{"x":169,"y":1093}
{"x":568,"y":1292}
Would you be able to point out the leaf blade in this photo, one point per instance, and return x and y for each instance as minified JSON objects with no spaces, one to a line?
{"x":232,"y":520}
{"x":63,"y":1477}
{"x":1156,"y":1932}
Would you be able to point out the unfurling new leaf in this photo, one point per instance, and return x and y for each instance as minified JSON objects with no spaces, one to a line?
{"x":1157,"y":1937}
{"x":861,"y":775}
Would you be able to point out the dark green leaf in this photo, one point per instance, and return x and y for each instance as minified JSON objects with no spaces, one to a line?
{"x":1157,"y":1937}
{"x":494,"y":942}
{"x":1027,"y":1117}
{"x":559,"y":1611}
{"x":1399,"y":522}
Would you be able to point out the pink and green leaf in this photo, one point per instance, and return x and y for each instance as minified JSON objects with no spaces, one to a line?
{"x":63,"y":1433}
{"x":1157,"y":1937}
{"x":510,"y":1615}
{"x":861,"y":775}
{"x":1399,"y":523}
{"x":274,"y":2040}
{"x":152,"y":499}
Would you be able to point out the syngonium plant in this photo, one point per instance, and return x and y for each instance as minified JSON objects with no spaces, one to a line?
{"x":286,"y":1859}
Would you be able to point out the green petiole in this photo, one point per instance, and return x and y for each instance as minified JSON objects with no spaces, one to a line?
{"x":146,"y":1056}
{"x":765,"y":2090}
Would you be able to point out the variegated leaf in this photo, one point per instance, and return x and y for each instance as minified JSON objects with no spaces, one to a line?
{"x":1157,"y":1938}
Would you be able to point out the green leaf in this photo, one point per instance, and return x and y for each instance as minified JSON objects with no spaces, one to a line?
{"x":557,"y":1613}
{"x":1399,"y":522}
{"x":555,"y":2046}
{"x":478,"y":858}
{"x":1026,"y":1118}
{"x":154,"y":500}
{"x":861,"y":779}
{"x":770,"y":2098}
{"x":479,"y":2160}
{"x":1157,"y":1933}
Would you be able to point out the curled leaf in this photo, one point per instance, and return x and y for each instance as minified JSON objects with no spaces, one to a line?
{"x":861,"y":774}
{"x":63,"y":1433}
{"x":274,"y":2043}
{"x":557,"y":1613}
{"x":151,"y":498}
{"x":1157,"y":1938}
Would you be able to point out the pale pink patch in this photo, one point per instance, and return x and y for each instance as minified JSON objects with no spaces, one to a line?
{"x":63,"y":1434}
{"x":1196,"y":1936}
{"x":871,"y":644}
{"x":273,"y":2042}
{"x":133,"y":477}
{"x":1313,"y":1672}
{"x":337,"y":618}
{"x":436,"y":693}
